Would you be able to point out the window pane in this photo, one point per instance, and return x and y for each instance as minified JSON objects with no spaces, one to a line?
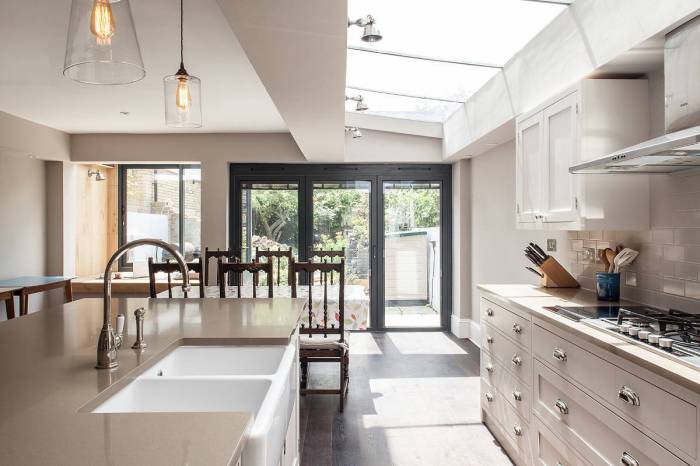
{"x":152,"y":209}
{"x":403,"y":107}
{"x":192,"y":228}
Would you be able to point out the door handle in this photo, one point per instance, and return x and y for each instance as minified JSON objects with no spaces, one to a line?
{"x":628,"y":395}
{"x":629,"y":460}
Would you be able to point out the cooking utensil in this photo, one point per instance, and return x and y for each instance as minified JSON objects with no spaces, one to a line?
{"x":539,"y":250}
{"x":532,"y":258}
{"x":625,"y":258}
{"x":539,"y":274}
{"x":610,"y":256}
{"x":619,"y":248}
{"x":604,"y":260}
{"x":535,"y":253}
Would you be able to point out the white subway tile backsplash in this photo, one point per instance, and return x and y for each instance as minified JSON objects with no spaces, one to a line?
{"x":577,"y":245}
{"x":673,"y":286}
{"x":673,"y":253}
{"x":631,"y":279}
{"x":686,"y":271}
{"x":687,"y":236}
{"x":595,"y":235}
{"x":692,"y":254}
{"x":692,"y":290}
{"x":662,"y":236}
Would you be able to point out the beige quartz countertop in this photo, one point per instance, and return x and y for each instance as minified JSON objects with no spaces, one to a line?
{"x":534,"y":299}
{"x":47,"y":374}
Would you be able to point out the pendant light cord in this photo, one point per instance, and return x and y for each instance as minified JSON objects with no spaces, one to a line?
{"x":182,"y":41}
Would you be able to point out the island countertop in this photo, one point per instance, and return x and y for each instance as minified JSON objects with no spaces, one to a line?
{"x":47,"y":375}
{"x":534,"y":299}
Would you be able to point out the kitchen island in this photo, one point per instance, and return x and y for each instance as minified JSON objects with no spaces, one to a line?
{"x":48,"y":375}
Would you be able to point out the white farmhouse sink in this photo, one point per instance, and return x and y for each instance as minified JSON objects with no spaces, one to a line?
{"x":253,"y":379}
{"x":219,"y":360}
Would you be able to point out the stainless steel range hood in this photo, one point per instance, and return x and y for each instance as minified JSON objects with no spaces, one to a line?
{"x":679,"y":148}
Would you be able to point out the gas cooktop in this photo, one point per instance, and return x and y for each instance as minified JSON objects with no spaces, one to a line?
{"x":669,"y":332}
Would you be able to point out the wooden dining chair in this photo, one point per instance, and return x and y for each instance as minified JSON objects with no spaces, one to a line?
{"x":231,"y":255}
{"x":328,"y":256}
{"x":237,"y":269}
{"x":172,"y":267}
{"x":323,"y":341}
{"x":279,"y":255}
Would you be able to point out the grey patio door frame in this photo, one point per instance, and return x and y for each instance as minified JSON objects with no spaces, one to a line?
{"x":306,"y":174}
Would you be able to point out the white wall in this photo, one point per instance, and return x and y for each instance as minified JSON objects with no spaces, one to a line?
{"x":22,"y":137}
{"x":461,"y":324}
{"x":496,"y":246}
{"x":23,"y":212}
{"x":385,"y":147}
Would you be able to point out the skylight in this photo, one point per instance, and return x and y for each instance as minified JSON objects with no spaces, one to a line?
{"x":454,"y":48}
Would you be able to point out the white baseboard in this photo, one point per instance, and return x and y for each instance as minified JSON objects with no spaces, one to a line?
{"x":465,"y":328}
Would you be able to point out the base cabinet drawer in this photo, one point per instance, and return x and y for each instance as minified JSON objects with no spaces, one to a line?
{"x":509,"y":323}
{"x":598,"y":434}
{"x":663,"y":414}
{"x":515,"y":429}
{"x":551,"y":451}
{"x":516,"y":393}
{"x":505,"y":351}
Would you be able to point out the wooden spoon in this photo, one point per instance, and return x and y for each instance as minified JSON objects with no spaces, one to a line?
{"x":610,"y":256}
{"x":604,"y":260}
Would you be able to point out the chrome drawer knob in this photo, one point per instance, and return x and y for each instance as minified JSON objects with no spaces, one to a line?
{"x":628,"y":460}
{"x":517,"y":360}
{"x":489,"y":397}
{"x":628,"y":395}
{"x":489,"y":368}
{"x":489,"y":340}
{"x":518,"y":431}
{"x":561,"y":406}
{"x":517,"y":328}
{"x":489,"y":312}
{"x":517,"y":396}
{"x":559,"y":354}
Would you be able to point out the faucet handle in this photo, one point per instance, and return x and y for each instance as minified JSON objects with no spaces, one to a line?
{"x":139,"y":343}
{"x":121,"y":318}
{"x":139,"y":313}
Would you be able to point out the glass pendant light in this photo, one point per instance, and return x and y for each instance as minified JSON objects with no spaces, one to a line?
{"x":102,"y":46}
{"x":183,"y":105}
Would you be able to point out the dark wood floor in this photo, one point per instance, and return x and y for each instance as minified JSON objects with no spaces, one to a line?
{"x":413,"y":400}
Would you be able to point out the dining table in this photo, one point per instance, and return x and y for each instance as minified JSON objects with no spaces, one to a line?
{"x":24,"y":286}
{"x":356,"y":301}
{"x":7,"y":294}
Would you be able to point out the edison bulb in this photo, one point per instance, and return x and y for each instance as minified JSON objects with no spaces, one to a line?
{"x":183,"y":99}
{"x":102,"y":21}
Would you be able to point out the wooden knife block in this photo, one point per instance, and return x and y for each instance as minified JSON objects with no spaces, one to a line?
{"x":556,"y":276}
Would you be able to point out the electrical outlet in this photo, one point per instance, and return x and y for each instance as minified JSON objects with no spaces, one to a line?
{"x":551,"y":245}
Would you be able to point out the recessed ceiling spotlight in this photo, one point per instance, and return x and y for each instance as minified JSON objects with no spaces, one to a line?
{"x":354,"y":131}
{"x":361,"y":105}
{"x":370,"y":33}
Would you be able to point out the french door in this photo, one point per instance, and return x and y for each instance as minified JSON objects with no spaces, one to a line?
{"x":392,"y":222}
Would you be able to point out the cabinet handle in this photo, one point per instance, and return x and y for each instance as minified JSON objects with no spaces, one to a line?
{"x":489,"y":312}
{"x":489,"y":397}
{"x":517,"y":328}
{"x":628,"y":460}
{"x":517,"y":360}
{"x":559,"y":354}
{"x":561,"y":406}
{"x":517,"y":396}
{"x":489,"y":368}
{"x":517,"y":430}
{"x":489,"y":340}
{"x":628,"y":395}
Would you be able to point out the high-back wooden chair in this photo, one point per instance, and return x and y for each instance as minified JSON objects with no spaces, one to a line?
{"x":169,"y":268}
{"x":237,"y":268}
{"x":279,"y":255}
{"x":323,"y":341}
{"x":231,"y":255}
{"x":328,"y":256}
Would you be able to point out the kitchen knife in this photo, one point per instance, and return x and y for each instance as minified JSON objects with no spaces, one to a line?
{"x":533,"y":258}
{"x":535,"y":272}
{"x":540,"y":250}
{"x":535,"y":254}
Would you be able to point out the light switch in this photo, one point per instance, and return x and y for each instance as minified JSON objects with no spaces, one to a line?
{"x":551,"y":245}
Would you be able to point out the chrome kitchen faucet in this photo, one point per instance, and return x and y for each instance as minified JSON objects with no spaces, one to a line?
{"x":109,"y":342}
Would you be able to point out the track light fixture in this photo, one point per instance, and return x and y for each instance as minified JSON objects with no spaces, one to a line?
{"x":370,"y":33}
{"x":98,"y":175}
{"x":361,"y":105}
{"x":354,"y":131}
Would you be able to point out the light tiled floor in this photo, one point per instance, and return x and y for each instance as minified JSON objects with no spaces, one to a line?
{"x":413,"y":400}
{"x":411,"y":316}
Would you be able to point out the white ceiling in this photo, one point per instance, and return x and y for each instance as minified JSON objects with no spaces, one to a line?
{"x":33,"y":34}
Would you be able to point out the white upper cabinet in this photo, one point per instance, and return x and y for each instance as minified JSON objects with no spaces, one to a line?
{"x":596,"y":117}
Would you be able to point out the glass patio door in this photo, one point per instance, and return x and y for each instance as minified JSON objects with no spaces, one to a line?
{"x":341,"y":218}
{"x":412,"y":254}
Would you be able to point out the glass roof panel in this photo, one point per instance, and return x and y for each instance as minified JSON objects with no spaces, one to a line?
{"x":412,"y":76}
{"x":403,"y":107}
{"x":485,"y":31}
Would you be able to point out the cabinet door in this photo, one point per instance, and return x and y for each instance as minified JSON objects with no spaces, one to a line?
{"x":529,"y":169}
{"x":560,"y":123}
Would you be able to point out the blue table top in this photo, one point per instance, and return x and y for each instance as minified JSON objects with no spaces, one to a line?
{"x":32,"y":281}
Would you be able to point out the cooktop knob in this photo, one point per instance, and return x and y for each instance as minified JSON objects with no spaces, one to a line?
{"x":665,"y":342}
{"x":625,"y":328}
{"x":654,"y":338}
{"x":633,"y":331}
{"x":644,"y":334}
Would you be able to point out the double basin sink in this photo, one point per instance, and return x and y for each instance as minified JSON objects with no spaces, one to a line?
{"x":256,"y":379}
